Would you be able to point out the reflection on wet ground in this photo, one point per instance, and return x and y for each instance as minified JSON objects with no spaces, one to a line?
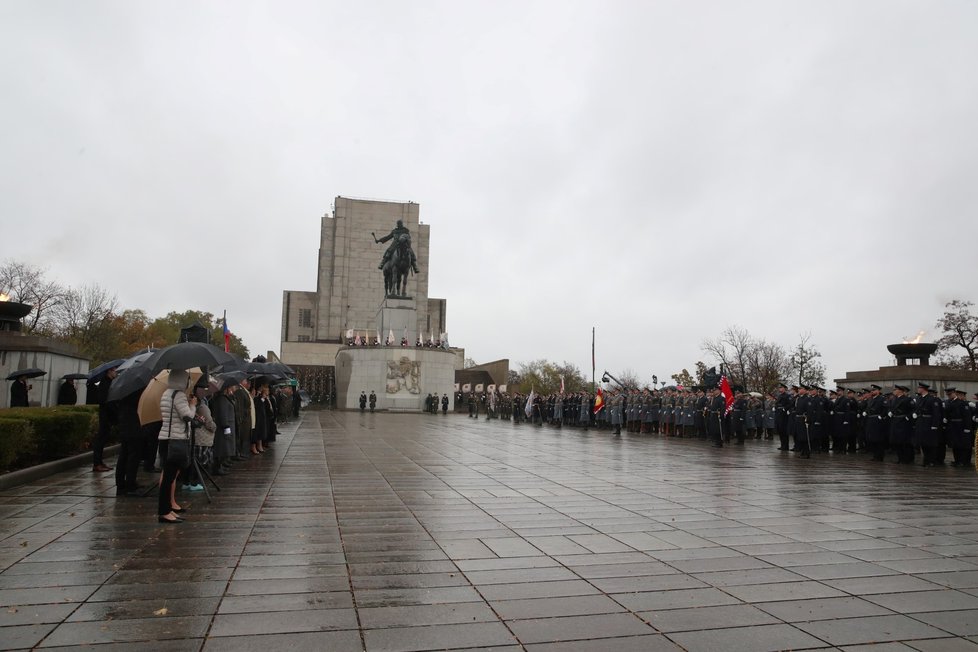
{"x":417,"y":532}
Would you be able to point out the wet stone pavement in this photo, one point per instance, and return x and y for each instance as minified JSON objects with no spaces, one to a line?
{"x":416,"y":532}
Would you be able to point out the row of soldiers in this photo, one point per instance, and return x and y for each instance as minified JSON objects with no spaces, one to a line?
{"x":813,"y":418}
{"x":848,"y":419}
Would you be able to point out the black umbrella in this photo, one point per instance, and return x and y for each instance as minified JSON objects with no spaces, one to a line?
{"x":186,"y":355}
{"x":96,"y":374}
{"x":234,"y":377}
{"x":280,"y":369}
{"x":244,"y":366}
{"x":130,"y":381}
{"x":33,"y":372}
{"x":74,"y":377}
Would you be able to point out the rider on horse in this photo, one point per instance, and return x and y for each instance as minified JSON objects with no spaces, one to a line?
{"x":398,"y":230}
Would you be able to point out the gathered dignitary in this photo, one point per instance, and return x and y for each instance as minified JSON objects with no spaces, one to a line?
{"x":106,"y":417}
{"x":225,"y":440}
{"x":130,"y":445}
{"x":927,"y":424}
{"x":244,"y":419}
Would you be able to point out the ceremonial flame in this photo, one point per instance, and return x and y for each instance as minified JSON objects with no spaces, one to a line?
{"x":4,"y":297}
{"x":916,"y":340}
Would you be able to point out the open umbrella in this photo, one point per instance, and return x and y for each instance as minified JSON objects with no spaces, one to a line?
{"x":33,"y":372}
{"x":96,"y":374}
{"x":186,"y":355}
{"x":149,"y":403}
{"x":135,"y":360}
{"x":74,"y":377}
{"x":280,"y":369}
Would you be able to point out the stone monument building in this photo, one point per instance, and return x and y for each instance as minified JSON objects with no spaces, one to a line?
{"x":349,"y":293}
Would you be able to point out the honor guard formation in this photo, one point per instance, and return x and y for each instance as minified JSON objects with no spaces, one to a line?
{"x":806,"y":420}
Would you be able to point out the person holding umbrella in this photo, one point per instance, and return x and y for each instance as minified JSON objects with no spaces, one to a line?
{"x":106,"y":416}
{"x":67,"y":394}
{"x":18,"y":392}
{"x":177,"y":411}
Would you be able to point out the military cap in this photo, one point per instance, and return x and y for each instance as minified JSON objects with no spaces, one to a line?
{"x":872,"y":387}
{"x":902,"y":388}
{"x":782,"y":385}
{"x":923,"y":386}
{"x":950,"y":389}
{"x":795,"y":387}
{"x":832,"y":392}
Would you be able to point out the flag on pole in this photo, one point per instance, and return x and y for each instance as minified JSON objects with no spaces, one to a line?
{"x":528,"y":410}
{"x":357,"y":341}
{"x":390,"y":337}
{"x":227,"y":333}
{"x":728,"y":396}
{"x":561,"y":384}
{"x":598,"y":401}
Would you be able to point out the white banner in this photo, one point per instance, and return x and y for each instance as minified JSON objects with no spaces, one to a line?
{"x":479,"y":387}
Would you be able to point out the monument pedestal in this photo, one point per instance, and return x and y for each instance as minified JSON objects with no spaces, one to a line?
{"x":401,"y":376}
{"x":398,"y":316}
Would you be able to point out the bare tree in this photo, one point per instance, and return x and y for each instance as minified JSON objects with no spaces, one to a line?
{"x":805,"y":363}
{"x":960,"y":328}
{"x":732,"y":350}
{"x":28,"y":283}
{"x":629,"y":378}
{"x":767,"y":364}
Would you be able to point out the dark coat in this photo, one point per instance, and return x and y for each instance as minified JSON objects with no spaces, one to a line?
{"x":18,"y":393}
{"x":67,"y":394}
{"x":960,"y":427}
{"x":875,"y":426}
{"x":222,"y":411}
{"x":927,"y":428}
{"x":901,"y":425}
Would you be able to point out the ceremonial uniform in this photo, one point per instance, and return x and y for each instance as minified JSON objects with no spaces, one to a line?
{"x":927,"y":426}
{"x":901,"y":426}
{"x":960,"y":429}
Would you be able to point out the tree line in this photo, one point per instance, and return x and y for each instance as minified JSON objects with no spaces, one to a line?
{"x":758,"y":364}
{"x":90,"y":317}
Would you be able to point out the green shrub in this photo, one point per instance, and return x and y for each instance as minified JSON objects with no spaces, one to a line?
{"x":16,"y":442}
{"x":57,"y":431}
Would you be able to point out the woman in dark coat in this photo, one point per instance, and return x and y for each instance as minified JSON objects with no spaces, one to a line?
{"x":260,"y":432}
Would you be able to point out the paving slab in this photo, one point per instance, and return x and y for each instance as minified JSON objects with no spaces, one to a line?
{"x":414,"y":533}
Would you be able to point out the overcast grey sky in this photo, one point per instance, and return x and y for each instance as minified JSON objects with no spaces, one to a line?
{"x":658,"y":170}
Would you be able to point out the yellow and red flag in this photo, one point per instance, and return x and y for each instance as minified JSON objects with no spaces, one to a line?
{"x":598,"y":401}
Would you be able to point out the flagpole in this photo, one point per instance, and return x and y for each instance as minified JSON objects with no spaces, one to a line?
{"x":592,"y":363}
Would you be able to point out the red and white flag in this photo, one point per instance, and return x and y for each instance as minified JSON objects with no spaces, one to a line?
{"x":728,"y":396}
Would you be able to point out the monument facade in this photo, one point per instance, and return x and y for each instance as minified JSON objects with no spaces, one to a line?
{"x":372,"y":284}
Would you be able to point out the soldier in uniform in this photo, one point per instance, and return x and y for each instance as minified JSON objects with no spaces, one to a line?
{"x":363,"y":400}
{"x":714,"y":418}
{"x":800,"y":415}
{"x":738,"y":417}
{"x":901,"y":427}
{"x":927,"y":424}
{"x":373,"y":400}
{"x":960,"y":432}
{"x":444,"y":404}
{"x":819,"y":422}
{"x":782,"y":411}
{"x":875,"y":424}
{"x":701,"y":408}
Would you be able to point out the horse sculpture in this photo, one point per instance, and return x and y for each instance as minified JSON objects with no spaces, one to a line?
{"x":396,"y":269}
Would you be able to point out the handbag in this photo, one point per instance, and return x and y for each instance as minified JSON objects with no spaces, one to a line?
{"x":177,"y":450}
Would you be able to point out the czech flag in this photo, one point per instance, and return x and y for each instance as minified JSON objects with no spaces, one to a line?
{"x":598,"y":401}
{"x":227,"y":334}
